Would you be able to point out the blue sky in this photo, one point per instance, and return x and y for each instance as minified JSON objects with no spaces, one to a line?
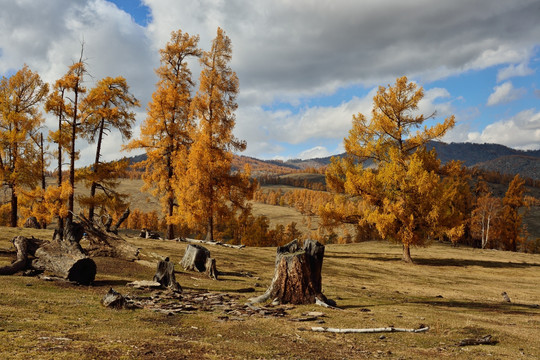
{"x":306,"y":67}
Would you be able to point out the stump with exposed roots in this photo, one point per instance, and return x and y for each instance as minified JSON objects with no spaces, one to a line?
{"x":297,"y":275}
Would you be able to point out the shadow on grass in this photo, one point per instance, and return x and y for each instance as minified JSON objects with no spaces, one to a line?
{"x":506,"y":308}
{"x":110,"y":283}
{"x":459,"y":262}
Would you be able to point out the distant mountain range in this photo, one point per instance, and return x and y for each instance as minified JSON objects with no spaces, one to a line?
{"x":492,"y":157}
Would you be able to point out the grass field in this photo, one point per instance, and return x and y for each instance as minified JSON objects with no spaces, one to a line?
{"x":454,"y":291}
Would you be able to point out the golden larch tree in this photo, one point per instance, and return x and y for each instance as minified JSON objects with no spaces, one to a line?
{"x":400,"y":195}
{"x":106,"y":107}
{"x":210,"y":188}
{"x":510,"y":226}
{"x":20,"y":119}
{"x":166,"y":132}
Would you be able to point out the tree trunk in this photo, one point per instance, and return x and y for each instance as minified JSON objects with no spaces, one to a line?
{"x":210,"y":229}
{"x":96,"y":164}
{"x":14,"y":206}
{"x":170,"y":227}
{"x":197,"y":258}
{"x":165,"y":275}
{"x":407,"y":254}
{"x":297,"y":276}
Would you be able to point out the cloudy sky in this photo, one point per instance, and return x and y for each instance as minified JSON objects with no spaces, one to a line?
{"x":305,"y":66}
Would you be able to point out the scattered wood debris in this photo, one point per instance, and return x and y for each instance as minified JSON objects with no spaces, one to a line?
{"x":171,"y":303}
{"x":484,"y":340}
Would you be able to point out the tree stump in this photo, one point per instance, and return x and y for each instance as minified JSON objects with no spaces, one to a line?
{"x":147,"y":234}
{"x":197,"y":258}
{"x":297,"y":275}
{"x":165,"y":275}
{"x":32,"y":223}
{"x":25,"y":247}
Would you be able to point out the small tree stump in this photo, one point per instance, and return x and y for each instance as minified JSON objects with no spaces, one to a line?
{"x":113,"y":299}
{"x":32,"y":223}
{"x":197,"y":258}
{"x":147,"y":234}
{"x":165,"y":275}
{"x":297,"y":275}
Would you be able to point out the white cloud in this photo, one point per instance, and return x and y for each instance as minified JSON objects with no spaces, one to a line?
{"x":504,"y":93}
{"x":514,"y":70}
{"x":521,"y":131}
{"x":316,"y":152}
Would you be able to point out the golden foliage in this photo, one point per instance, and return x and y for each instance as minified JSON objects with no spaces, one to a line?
{"x":401,"y":196}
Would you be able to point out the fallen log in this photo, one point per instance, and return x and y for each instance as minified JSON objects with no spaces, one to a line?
{"x":106,"y":243}
{"x":297,"y":275}
{"x":364,"y":331}
{"x":64,"y":259}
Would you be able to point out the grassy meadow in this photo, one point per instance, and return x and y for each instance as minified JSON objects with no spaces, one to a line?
{"x":454,"y":291}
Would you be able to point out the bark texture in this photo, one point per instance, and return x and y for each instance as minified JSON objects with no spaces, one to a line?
{"x":297,"y":275}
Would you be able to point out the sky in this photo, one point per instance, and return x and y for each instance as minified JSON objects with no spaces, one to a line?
{"x":305,"y":67}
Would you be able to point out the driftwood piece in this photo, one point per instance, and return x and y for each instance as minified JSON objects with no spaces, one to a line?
{"x":206,"y":242}
{"x":297,"y":275}
{"x":365,"y":331}
{"x":165,"y":275}
{"x":485,"y":340}
{"x":32,"y":223}
{"x":106,"y":243}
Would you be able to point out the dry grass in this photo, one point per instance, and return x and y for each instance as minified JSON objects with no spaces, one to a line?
{"x":455,"y":291}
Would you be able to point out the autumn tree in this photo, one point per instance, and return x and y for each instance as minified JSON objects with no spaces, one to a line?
{"x":483,"y":218}
{"x":166,"y":132}
{"x":210,"y":188}
{"x":401,"y":194}
{"x":64,"y":102}
{"x":20,"y":118}
{"x":511,"y":224}
{"x":106,"y":107}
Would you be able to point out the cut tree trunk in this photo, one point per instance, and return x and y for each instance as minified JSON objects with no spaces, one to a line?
{"x":165,"y":275}
{"x":297,"y":275}
{"x":66,"y":258}
{"x":197,"y":258}
{"x":106,"y":243}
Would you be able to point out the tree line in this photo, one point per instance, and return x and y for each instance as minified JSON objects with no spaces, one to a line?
{"x":187,"y":136}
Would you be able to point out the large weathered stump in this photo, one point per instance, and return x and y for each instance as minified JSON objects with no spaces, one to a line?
{"x":297,"y":275}
{"x":197,"y":258}
{"x":25,"y":247}
{"x":165,"y":275}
